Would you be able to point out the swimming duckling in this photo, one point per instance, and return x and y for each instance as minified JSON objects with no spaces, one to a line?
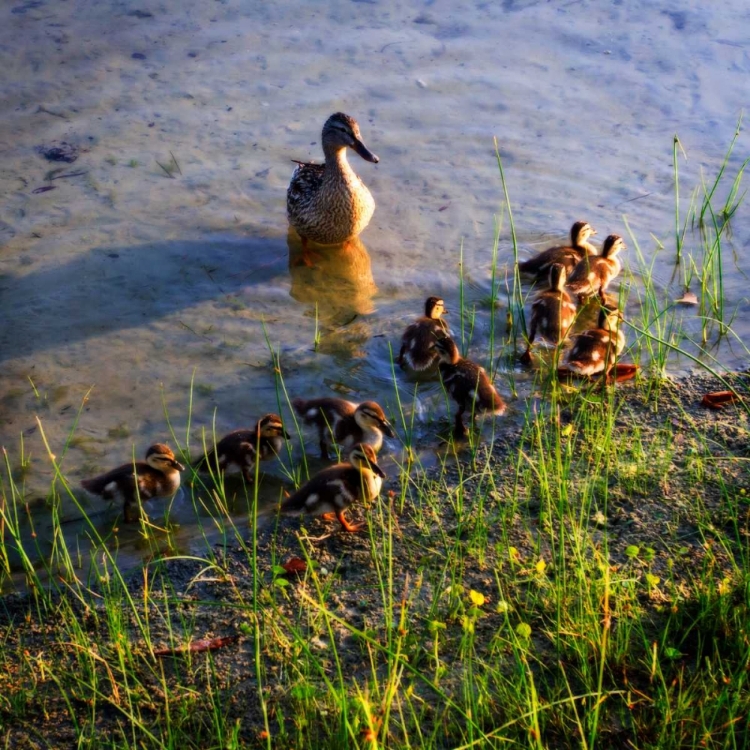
{"x":327,"y":203}
{"x":552,"y":312}
{"x":418,"y":352}
{"x":467,"y":383}
{"x":240,"y":448}
{"x":597,"y":349}
{"x":335,"y":488}
{"x":347,"y":422}
{"x":594,"y":274}
{"x":158,"y":476}
{"x":568,"y":255}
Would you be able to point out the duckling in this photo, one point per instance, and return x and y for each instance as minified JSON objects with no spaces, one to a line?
{"x":569,"y":256}
{"x":595,"y":273}
{"x":327,"y":203}
{"x":418,"y":352}
{"x":240,"y":449}
{"x":597,"y":349}
{"x":348,"y":423}
{"x":552,"y":312}
{"x":467,"y":383}
{"x":335,"y":488}
{"x":158,"y":476}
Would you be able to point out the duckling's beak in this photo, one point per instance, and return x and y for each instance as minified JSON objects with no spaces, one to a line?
{"x":176,"y":465}
{"x":286,"y":435}
{"x":364,"y":152}
{"x":377,"y":470}
{"x":387,"y":429}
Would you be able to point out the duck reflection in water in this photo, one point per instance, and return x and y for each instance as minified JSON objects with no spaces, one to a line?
{"x":338,"y":279}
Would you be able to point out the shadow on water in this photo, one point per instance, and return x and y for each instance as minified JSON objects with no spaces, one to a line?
{"x":115,"y":288}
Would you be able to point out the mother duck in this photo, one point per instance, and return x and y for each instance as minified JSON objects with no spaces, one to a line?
{"x":327,"y":203}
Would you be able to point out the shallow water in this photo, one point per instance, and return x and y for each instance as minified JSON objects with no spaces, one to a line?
{"x":125,"y":284}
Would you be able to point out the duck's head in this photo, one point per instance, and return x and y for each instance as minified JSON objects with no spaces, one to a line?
{"x":610,"y":318}
{"x":342,"y":131}
{"x":434,"y":308}
{"x":447,"y":350}
{"x":580,"y":232}
{"x":363,"y":456}
{"x":369,"y":414}
{"x":270,"y":426}
{"x":557,"y":276}
{"x":612,"y":245}
{"x":161,"y":458}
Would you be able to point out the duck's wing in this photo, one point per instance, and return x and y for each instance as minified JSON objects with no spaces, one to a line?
{"x":319,"y":494}
{"x":103,"y":484}
{"x":306,"y":180}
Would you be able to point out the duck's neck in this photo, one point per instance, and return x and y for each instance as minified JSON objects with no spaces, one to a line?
{"x":588,"y":247}
{"x":336,"y":161}
{"x":371,"y":481}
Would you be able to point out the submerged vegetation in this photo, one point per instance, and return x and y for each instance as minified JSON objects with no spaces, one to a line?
{"x":579,"y":577}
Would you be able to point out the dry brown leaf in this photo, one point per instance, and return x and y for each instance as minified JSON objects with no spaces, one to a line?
{"x":625,"y":372}
{"x":718,"y":399}
{"x":294,"y":566}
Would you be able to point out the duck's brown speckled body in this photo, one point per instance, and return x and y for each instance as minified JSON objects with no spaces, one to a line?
{"x":567,"y":255}
{"x":130,"y":484}
{"x":552,"y":312}
{"x":468,"y":384}
{"x":241,"y":449}
{"x":594,"y":274}
{"x":328,"y":203}
{"x":418,"y":355}
{"x":344,"y":422}
{"x":334,"y":489}
{"x":596,"y":350}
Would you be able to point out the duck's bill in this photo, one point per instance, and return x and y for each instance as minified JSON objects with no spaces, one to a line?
{"x":377,"y":470}
{"x":388,"y":430}
{"x":365,"y":152}
{"x":177,"y":465}
{"x":286,"y":435}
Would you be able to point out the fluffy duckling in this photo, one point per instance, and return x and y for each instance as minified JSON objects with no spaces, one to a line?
{"x":568,"y":255}
{"x":335,"y":488}
{"x":418,"y":353}
{"x":467,"y":383}
{"x":348,"y":423}
{"x":552,"y":312}
{"x":241,"y":449}
{"x":597,"y":349}
{"x":158,"y":476}
{"x":327,"y":203}
{"x":594,"y":274}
